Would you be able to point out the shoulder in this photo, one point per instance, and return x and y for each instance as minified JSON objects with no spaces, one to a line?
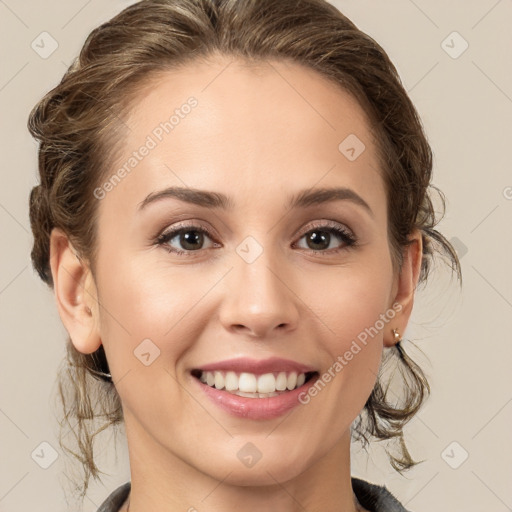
{"x":375,"y":498}
{"x":114,"y":502}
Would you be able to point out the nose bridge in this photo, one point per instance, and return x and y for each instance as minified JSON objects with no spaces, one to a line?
{"x":259,"y":299}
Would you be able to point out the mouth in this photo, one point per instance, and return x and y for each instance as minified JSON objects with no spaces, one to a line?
{"x":254,"y":385}
{"x":254,"y":389}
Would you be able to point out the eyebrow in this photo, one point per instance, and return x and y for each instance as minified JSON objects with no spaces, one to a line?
{"x":217,"y":200}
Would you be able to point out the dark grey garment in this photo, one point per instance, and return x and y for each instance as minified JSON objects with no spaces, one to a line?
{"x":114,"y":502}
{"x":374,"y":498}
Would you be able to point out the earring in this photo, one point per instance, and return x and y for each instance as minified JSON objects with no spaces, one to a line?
{"x":398,"y":340}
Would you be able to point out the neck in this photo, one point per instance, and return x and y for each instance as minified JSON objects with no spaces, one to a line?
{"x":164,"y":482}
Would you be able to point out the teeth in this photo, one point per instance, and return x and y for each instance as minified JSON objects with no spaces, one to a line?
{"x":281,"y":381}
{"x":254,"y":386}
{"x":292,"y":381}
{"x":247,"y":383}
{"x":219,"y":380}
{"x":266,"y":383}
{"x":231,"y":381}
{"x":255,"y":395}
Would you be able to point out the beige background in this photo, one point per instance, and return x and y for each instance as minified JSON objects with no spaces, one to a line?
{"x":466,"y":106}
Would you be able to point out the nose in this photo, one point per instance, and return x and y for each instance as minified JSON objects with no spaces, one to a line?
{"x":259,"y":299}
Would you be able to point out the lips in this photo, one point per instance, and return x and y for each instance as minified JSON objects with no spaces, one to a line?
{"x":257,"y":367}
{"x":255,"y":389}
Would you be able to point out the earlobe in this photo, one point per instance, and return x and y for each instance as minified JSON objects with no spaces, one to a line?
{"x":75,"y":293}
{"x":407,"y":282}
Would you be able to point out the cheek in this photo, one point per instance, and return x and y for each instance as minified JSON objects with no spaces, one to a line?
{"x":356,"y":348}
{"x":156,"y":304}
{"x":148,"y":323}
{"x":349,"y":301}
{"x":353,"y":308}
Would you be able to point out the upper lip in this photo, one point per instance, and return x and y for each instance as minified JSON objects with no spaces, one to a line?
{"x":258,"y":367}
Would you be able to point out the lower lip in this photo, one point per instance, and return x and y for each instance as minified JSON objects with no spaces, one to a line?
{"x":256,"y":408}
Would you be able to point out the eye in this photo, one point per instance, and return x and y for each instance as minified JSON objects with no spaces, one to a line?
{"x":191,"y":239}
{"x":320,"y":238}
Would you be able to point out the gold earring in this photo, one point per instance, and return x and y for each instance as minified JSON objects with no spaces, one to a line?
{"x":398,"y":345}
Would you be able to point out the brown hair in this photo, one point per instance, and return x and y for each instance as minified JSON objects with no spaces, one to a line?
{"x":79,"y":122}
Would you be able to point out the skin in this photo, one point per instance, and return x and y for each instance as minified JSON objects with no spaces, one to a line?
{"x":259,"y":134}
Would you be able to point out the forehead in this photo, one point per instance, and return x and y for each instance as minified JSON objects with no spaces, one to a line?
{"x":244,"y":126}
{"x":252,"y":94}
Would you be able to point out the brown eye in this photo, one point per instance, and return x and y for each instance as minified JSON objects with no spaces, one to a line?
{"x":320,"y":238}
{"x":186,"y":238}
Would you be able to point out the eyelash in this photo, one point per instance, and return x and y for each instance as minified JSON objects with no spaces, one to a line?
{"x":346,"y":236}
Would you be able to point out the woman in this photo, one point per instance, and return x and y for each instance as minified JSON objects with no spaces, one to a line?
{"x":234,"y":215}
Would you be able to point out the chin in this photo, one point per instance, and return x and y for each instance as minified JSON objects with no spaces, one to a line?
{"x":262,"y":475}
{"x":271,"y":466}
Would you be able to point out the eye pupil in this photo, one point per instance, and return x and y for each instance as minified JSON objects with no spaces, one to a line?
{"x":319,"y":239}
{"x":187,"y":238}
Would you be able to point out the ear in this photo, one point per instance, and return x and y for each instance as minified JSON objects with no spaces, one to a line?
{"x":405,"y":287}
{"x":75,"y":293}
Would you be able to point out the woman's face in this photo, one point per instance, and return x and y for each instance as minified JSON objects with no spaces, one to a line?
{"x":262,"y":274}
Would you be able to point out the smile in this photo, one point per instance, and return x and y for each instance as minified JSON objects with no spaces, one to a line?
{"x":251,"y":385}
{"x":254,"y":389}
